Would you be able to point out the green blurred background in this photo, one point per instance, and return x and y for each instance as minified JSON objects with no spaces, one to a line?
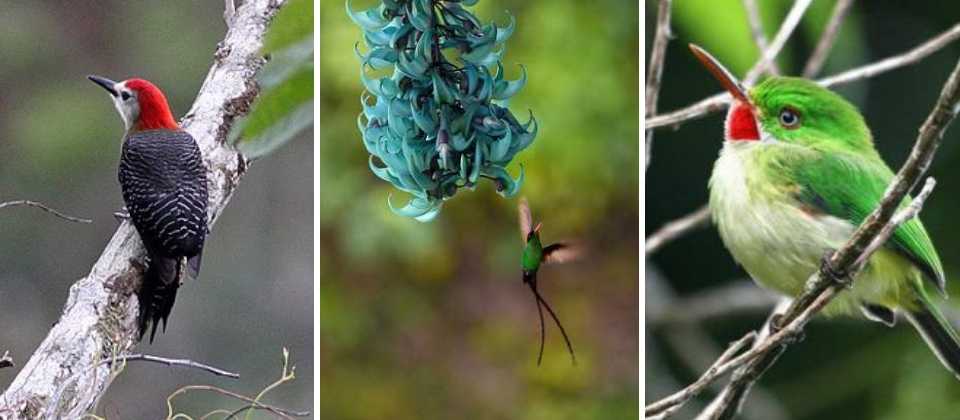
{"x":60,"y":143}
{"x":421,"y":321}
{"x":846,"y":368}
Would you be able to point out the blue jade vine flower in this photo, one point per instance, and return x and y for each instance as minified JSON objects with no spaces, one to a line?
{"x":435,"y":115}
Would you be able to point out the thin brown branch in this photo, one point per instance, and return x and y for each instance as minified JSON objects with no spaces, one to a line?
{"x":719,"y":101}
{"x":849,"y":258}
{"x":655,"y":73}
{"x":173,"y":362}
{"x":44,"y":207}
{"x":756,"y":29}
{"x":827,"y":39}
{"x":677,"y":228}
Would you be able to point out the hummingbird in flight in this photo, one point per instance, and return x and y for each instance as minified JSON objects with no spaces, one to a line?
{"x":798,"y":172}
{"x":536,"y":255}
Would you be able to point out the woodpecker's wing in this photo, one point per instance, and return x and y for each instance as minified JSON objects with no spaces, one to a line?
{"x":561,"y":252}
{"x":164,"y":186}
{"x":526,"y":221}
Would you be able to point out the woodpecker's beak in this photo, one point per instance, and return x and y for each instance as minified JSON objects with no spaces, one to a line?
{"x":104,"y":83}
{"x":729,"y":82}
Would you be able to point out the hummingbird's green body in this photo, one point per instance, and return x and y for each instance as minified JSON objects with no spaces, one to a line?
{"x":532,"y":255}
{"x":797,"y":174}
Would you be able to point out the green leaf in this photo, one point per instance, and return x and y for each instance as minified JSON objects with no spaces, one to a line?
{"x":293,"y":23}
{"x":278,"y":115}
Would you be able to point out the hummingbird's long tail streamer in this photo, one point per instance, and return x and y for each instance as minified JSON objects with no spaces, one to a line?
{"x":541,"y":300}
{"x":543,"y":329}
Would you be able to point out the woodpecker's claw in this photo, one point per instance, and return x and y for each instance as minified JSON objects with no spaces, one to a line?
{"x":122,"y":215}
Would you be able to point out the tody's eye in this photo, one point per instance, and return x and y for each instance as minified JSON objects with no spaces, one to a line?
{"x":789,"y":118}
{"x":125,"y":95}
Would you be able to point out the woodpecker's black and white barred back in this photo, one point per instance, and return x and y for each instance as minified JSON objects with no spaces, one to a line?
{"x":164,"y":186}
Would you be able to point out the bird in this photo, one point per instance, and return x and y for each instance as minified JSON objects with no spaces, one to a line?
{"x":536,"y":255}
{"x":797,"y":174}
{"x":163,"y":182}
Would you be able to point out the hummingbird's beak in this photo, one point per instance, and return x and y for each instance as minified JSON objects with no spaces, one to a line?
{"x":729,"y":82}
{"x":104,"y":83}
{"x":537,"y":228}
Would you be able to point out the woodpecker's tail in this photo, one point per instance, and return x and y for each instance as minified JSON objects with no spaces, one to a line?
{"x":937,"y":332}
{"x":158,"y":292}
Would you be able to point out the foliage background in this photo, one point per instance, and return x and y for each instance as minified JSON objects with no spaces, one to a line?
{"x":60,"y":142}
{"x":431,"y":320}
{"x":846,"y":368}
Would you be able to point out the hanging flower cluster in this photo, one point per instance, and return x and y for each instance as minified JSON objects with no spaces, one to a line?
{"x":440,"y":121}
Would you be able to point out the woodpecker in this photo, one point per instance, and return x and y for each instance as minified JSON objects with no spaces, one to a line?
{"x":164,"y":187}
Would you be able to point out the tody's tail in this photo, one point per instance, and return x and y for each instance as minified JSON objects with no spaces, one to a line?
{"x":937,"y":332}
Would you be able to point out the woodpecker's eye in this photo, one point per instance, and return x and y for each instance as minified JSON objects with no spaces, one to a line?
{"x":789,"y":118}
{"x":125,"y":95}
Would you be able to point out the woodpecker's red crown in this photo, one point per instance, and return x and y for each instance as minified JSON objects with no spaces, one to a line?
{"x":154,"y":110}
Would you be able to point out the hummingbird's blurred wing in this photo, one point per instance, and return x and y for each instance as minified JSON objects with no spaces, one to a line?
{"x":526,"y":221}
{"x":561,"y":252}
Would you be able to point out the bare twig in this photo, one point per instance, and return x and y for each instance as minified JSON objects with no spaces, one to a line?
{"x":45,"y":208}
{"x":719,"y":367}
{"x":827,"y":39}
{"x":173,"y":362}
{"x":718,"y":101}
{"x":918,"y":53}
{"x":756,"y":29}
{"x":783,"y":34}
{"x":655,"y":71}
{"x":849,"y":258}
{"x":677,"y":228}
{"x":693,"y":346}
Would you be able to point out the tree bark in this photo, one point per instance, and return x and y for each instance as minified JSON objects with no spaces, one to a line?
{"x":66,"y":375}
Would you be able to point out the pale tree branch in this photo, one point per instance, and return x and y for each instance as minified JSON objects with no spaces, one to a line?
{"x":44,"y":207}
{"x":846,"y":262}
{"x":827,"y":39}
{"x":719,"y":101}
{"x":756,"y":29}
{"x":100,"y":315}
{"x":655,"y":69}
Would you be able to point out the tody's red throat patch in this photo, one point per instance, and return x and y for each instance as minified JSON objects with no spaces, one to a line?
{"x":741,"y":125}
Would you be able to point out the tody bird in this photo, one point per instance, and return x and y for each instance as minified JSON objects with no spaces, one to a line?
{"x":534,"y":256}
{"x":164,"y":186}
{"x":798,"y":172}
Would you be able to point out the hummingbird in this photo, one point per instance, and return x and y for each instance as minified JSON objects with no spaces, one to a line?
{"x":534,"y":256}
{"x":798,"y":172}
